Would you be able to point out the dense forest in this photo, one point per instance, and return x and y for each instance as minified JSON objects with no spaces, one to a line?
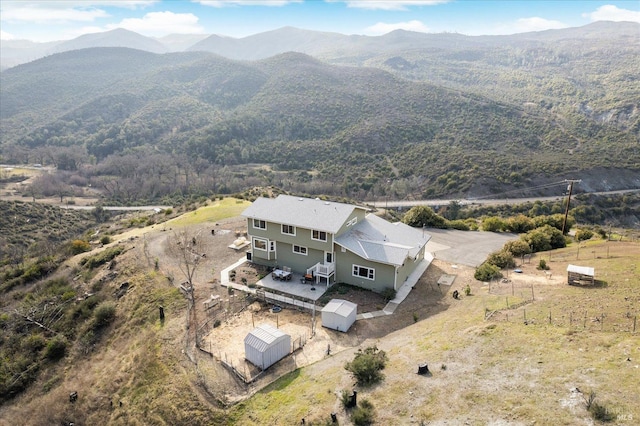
{"x":404,"y":117}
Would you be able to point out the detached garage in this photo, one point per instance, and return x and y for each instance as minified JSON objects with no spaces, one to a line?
{"x":266,"y":345}
{"x":339,"y":314}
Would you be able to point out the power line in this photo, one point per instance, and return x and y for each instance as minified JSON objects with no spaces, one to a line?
{"x":532,"y":188}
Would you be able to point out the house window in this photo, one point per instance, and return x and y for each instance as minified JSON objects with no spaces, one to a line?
{"x":319,"y":235}
{"x":300,"y":250}
{"x":272,"y":246}
{"x":260,"y":244}
{"x":259,"y":224}
{"x":289,"y":229}
{"x":364,"y":272}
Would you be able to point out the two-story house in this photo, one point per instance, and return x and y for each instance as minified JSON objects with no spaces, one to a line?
{"x":335,"y":242}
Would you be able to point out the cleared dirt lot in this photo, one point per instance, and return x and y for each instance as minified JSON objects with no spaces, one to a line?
{"x":226,"y":342}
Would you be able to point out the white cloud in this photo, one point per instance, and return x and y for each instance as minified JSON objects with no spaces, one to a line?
{"x":391,"y":4}
{"x":28,"y":13}
{"x":6,"y":36}
{"x":383,"y":28}
{"x":225,"y":3}
{"x":613,"y":13}
{"x":158,"y":24}
{"x":62,"y":11}
{"x":524,"y":25}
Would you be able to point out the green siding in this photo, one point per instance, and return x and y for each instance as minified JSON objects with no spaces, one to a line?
{"x":384,"y":274}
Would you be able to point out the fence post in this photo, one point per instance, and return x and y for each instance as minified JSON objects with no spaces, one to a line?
{"x":549,"y":317}
{"x":634,"y":323}
{"x":532,"y":295}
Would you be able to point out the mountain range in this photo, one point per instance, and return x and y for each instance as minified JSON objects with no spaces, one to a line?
{"x":405,"y":114}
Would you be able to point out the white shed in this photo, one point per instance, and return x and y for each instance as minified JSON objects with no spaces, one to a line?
{"x":339,"y":314}
{"x":266,"y":345}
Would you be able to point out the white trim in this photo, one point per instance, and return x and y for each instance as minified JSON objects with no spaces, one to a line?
{"x":371,"y":274}
{"x":259,"y":222}
{"x":302,"y":250}
{"x":288,"y":233}
{"x":326,"y":235}
{"x":265,"y":241}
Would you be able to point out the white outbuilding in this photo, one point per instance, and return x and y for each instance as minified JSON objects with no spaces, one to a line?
{"x":339,"y":314}
{"x":266,"y":345}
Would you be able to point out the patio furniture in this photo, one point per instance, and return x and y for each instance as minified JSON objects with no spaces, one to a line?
{"x":282,"y":274}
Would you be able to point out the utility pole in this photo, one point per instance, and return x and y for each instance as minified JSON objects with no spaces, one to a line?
{"x":566,"y":211}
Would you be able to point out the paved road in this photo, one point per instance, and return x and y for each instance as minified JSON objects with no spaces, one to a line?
{"x":487,"y":201}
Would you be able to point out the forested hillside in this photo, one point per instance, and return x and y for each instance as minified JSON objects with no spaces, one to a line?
{"x":471,"y":117}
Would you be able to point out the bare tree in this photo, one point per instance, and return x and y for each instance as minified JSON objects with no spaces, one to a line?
{"x":188,"y":249}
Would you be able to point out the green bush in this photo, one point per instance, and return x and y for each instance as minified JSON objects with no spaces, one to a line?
{"x":102,"y":258}
{"x":420,"y":216}
{"x":542,"y":265}
{"x":493,"y":224}
{"x":104,"y":314}
{"x":584,"y":234}
{"x":460,"y":225}
{"x":545,"y":238}
{"x":517,"y":248}
{"x":487,"y":271}
{"x":56,"y":348}
{"x":363,"y":415}
{"x":388,"y":294}
{"x":105,"y":240}
{"x":502,"y":259}
{"x":367,"y":365}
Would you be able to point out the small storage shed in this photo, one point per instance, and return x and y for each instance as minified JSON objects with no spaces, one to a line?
{"x":577,"y":275}
{"x":266,"y":345}
{"x":339,"y":314}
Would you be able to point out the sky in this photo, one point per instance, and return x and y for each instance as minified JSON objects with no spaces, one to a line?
{"x":54,"y":20}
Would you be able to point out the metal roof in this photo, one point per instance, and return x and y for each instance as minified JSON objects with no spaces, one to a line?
{"x":583,"y":270}
{"x":306,"y":213}
{"x":341,"y":307}
{"x":378,"y":240}
{"x":263,"y":336}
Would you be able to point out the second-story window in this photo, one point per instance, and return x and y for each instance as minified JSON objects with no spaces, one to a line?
{"x":259,"y":224}
{"x":289,"y":229}
{"x":319,"y":235}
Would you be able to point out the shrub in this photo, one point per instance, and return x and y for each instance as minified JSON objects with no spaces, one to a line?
{"x":519,"y":224}
{"x":487,"y":271}
{"x":363,"y":415}
{"x":56,"y":348}
{"x":424,"y":216}
{"x":388,"y":294}
{"x":367,"y":365}
{"x":544,"y":238}
{"x":345,"y":398}
{"x":460,"y":225}
{"x":502,"y":259}
{"x":104,"y":314}
{"x":517,"y":248}
{"x":493,"y":224}
{"x":102,"y":258}
{"x":105,"y":239}
{"x":542,"y":265}
{"x":584,"y":234}
{"x":79,"y":246}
